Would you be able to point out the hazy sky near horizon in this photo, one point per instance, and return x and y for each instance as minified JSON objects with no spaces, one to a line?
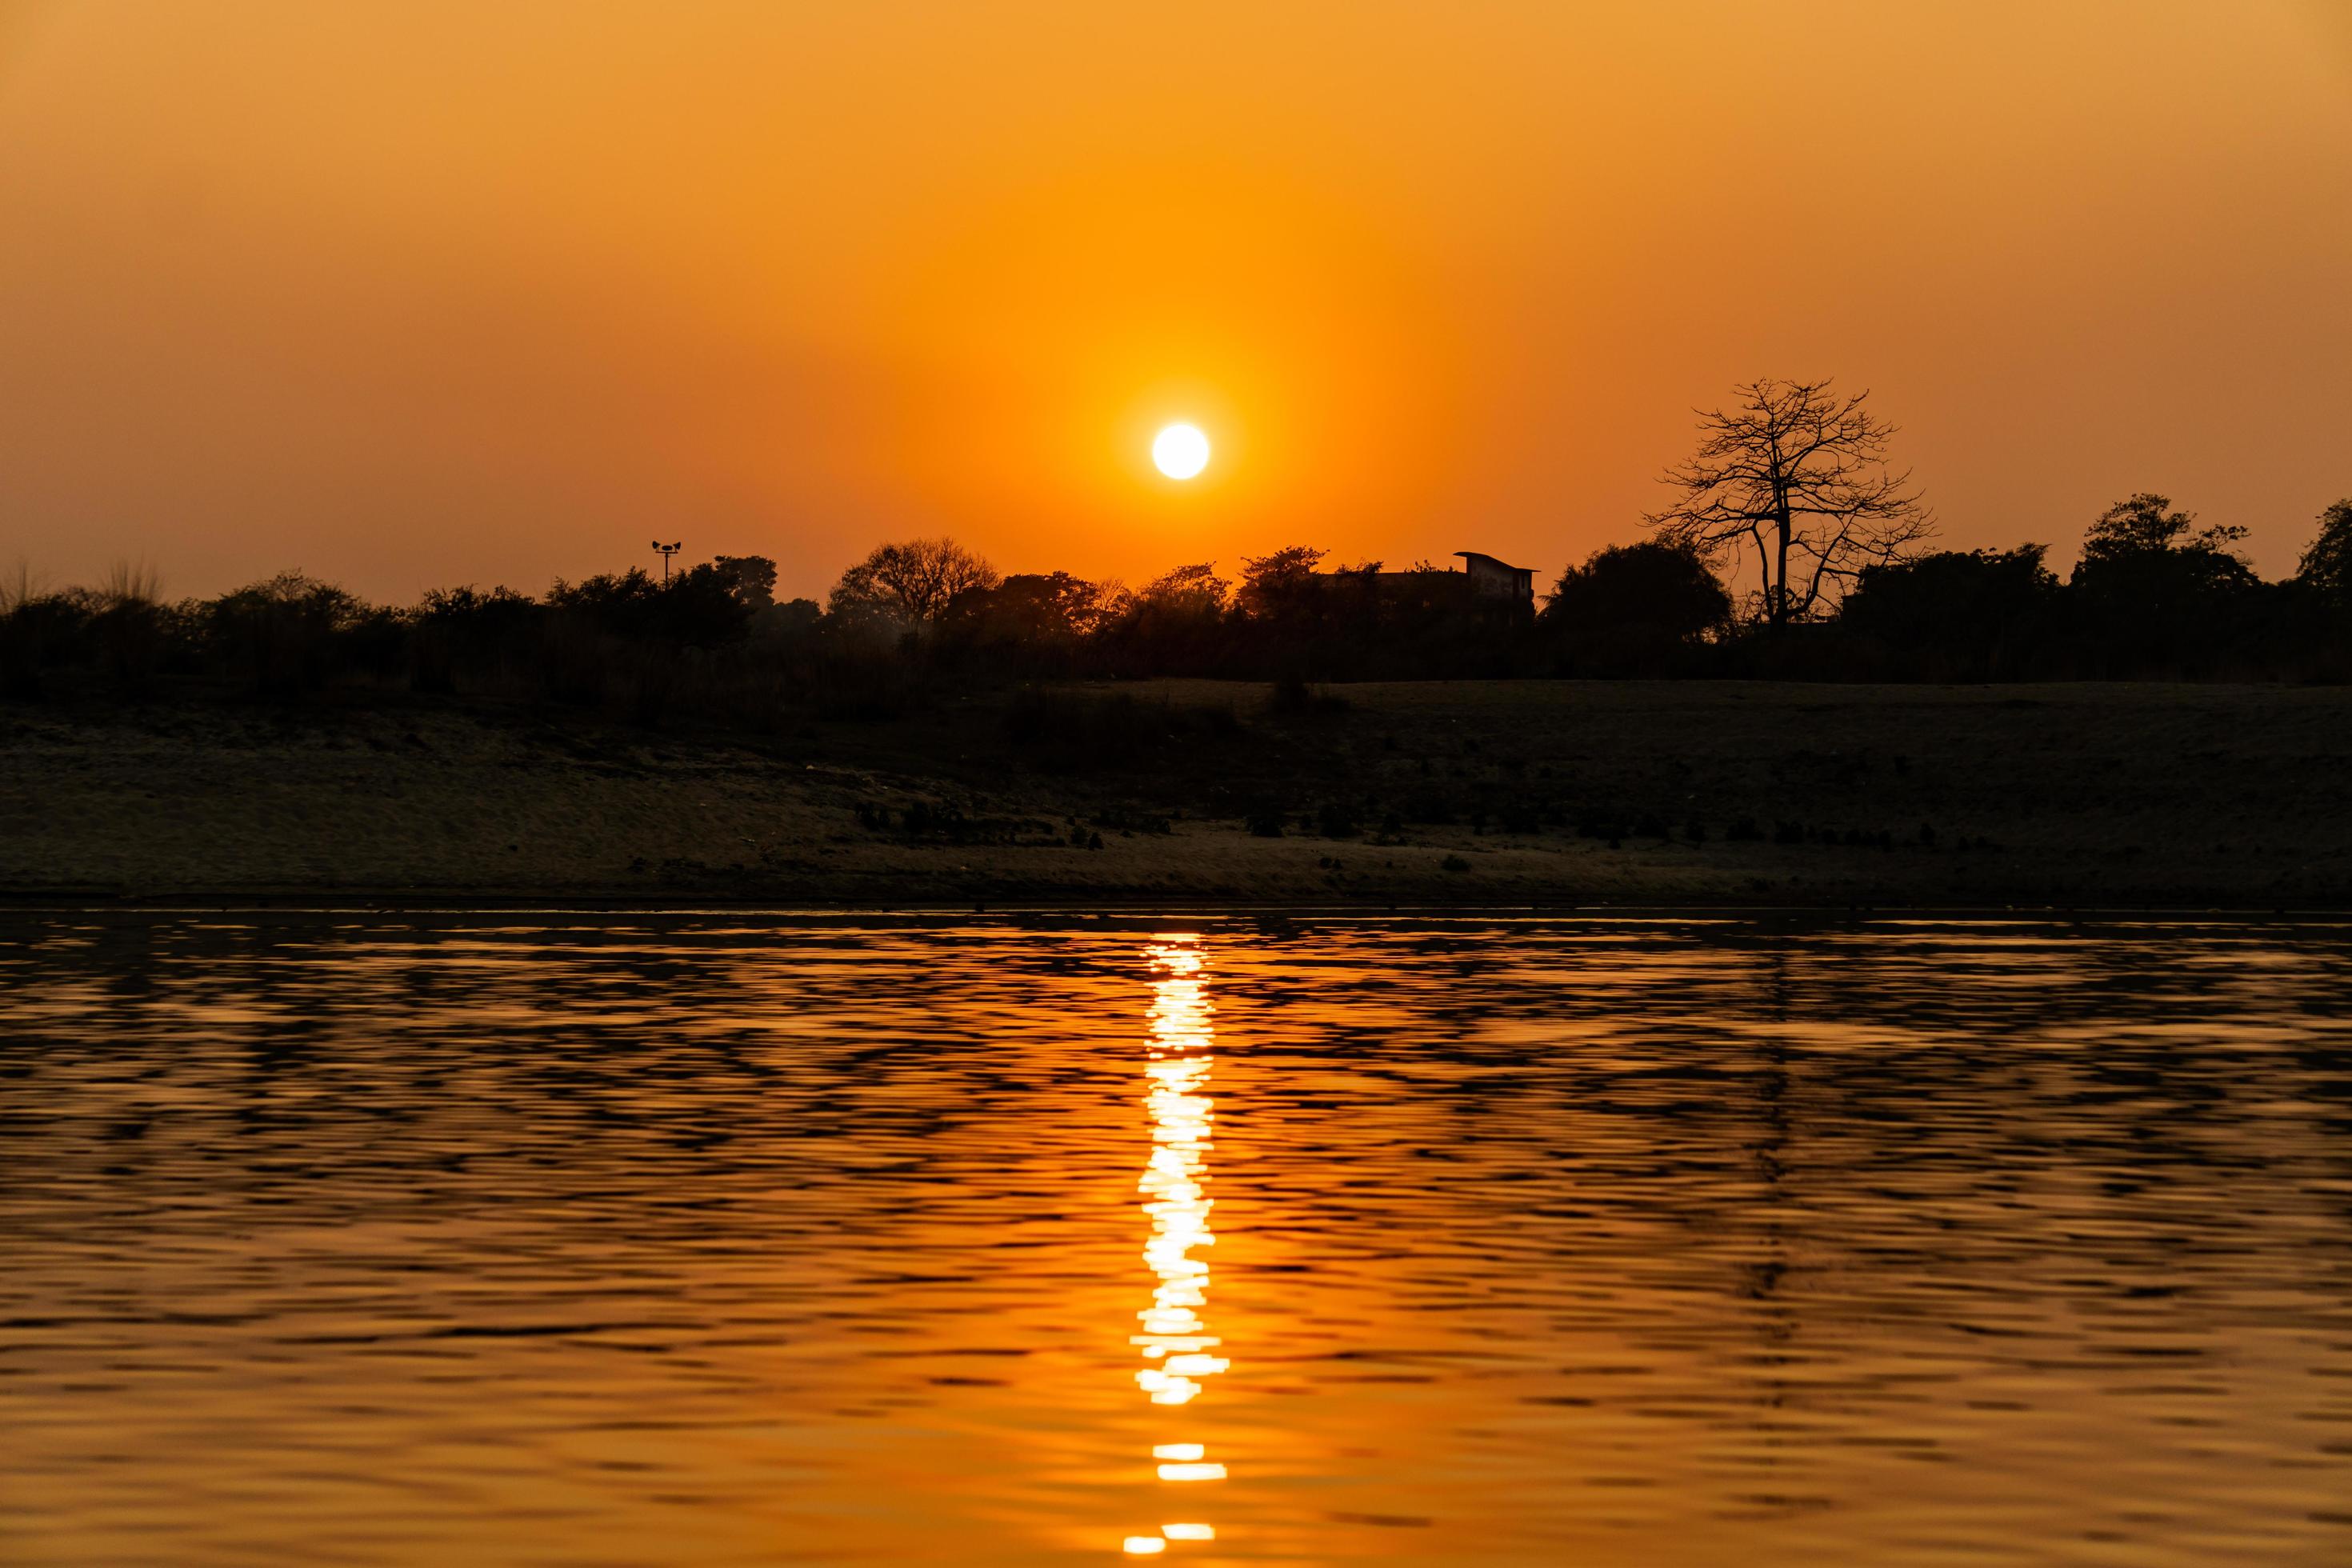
{"x":431,"y":292}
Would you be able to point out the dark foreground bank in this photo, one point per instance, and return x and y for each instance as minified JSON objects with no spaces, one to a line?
{"x":1638,"y":793}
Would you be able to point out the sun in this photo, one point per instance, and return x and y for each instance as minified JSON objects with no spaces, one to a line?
{"x":1180,"y":451}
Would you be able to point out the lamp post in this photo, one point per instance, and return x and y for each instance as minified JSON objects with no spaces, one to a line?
{"x":667,"y":551}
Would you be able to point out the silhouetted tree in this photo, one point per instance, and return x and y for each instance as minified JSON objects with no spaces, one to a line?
{"x":793,"y":620}
{"x":1191,"y":590}
{"x":1053,"y":605}
{"x":1634,"y":606}
{"x":1175,"y":623}
{"x":2142,"y":525}
{"x":501,"y":612}
{"x":618,"y":602}
{"x":1296,"y":620}
{"x":909,"y":584}
{"x":1958,"y":615}
{"x":1036,"y":622}
{"x":711,"y":604}
{"x":283,"y":634}
{"x":2154,"y":593}
{"x":750,"y":580}
{"x":1800,"y":477}
{"x":467,"y":629}
{"x":707,"y":605}
{"x":1279,"y":584}
{"x":2326,"y":564}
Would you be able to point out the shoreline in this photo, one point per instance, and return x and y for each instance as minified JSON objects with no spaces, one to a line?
{"x":561,"y":904}
{"x":1457,"y":796}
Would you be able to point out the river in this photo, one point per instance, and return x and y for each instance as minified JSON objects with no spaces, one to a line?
{"x":714,"y":1238}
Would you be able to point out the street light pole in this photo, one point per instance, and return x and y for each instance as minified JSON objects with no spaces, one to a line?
{"x":667,"y":551}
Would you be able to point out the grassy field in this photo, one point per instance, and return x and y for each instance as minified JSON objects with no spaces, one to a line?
{"x":1472,"y":793}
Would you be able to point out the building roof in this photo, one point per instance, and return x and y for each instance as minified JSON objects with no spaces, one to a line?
{"x":1480,"y":556}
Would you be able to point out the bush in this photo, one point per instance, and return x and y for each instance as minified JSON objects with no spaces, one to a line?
{"x":1980,"y":615}
{"x":287,"y":635}
{"x":1634,"y":609}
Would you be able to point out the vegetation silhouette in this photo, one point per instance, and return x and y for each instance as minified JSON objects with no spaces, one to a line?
{"x":2153,"y":597}
{"x":1793,"y":550}
{"x":1636,"y":609}
{"x":1798,"y":475}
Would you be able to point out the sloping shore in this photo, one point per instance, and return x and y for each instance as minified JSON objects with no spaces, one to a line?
{"x":1472,"y":793}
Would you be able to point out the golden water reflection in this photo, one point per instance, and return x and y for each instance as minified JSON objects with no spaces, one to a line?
{"x":715,"y":1240}
{"x":1179,"y":1351}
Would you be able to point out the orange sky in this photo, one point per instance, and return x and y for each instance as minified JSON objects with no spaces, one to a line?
{"x":420,"y":293}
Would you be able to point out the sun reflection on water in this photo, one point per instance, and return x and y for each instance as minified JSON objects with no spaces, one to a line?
{"x":1179,"y":1352}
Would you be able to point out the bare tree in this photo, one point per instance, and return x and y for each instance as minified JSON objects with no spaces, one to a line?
{"x":912,"y":583}
{"x":1799,"y":476}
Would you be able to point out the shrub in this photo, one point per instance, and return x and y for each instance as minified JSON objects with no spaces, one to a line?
{"x":1634,"y":608}
{"x":283,"y":635}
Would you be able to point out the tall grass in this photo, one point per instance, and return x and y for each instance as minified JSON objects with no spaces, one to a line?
{"x":127,"y":620}
{"x":21,"y":643}
{"x":18,"y":586}
{"x":131,"y":584}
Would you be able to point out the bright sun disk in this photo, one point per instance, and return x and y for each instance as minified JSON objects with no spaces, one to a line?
{"x":1180,"y":451}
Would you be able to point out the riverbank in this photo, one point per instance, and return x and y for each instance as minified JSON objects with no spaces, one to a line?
{"x":1430,"y":793}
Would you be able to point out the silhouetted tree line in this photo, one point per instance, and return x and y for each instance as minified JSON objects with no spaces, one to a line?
{"x":2154,"y":596}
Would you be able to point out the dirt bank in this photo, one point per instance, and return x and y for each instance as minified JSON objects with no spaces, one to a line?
{"x":1461,"y":792}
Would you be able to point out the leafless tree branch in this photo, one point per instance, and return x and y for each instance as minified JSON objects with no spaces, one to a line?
{"x":1801,"y":474}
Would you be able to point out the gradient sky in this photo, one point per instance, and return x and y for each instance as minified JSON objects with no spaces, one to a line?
{"x":422,"y":293}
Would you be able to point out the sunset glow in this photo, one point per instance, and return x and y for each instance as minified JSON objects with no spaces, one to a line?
{"x":409,"y":296}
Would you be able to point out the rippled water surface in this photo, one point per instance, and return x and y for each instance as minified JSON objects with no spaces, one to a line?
{"x":728,"y":1239}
